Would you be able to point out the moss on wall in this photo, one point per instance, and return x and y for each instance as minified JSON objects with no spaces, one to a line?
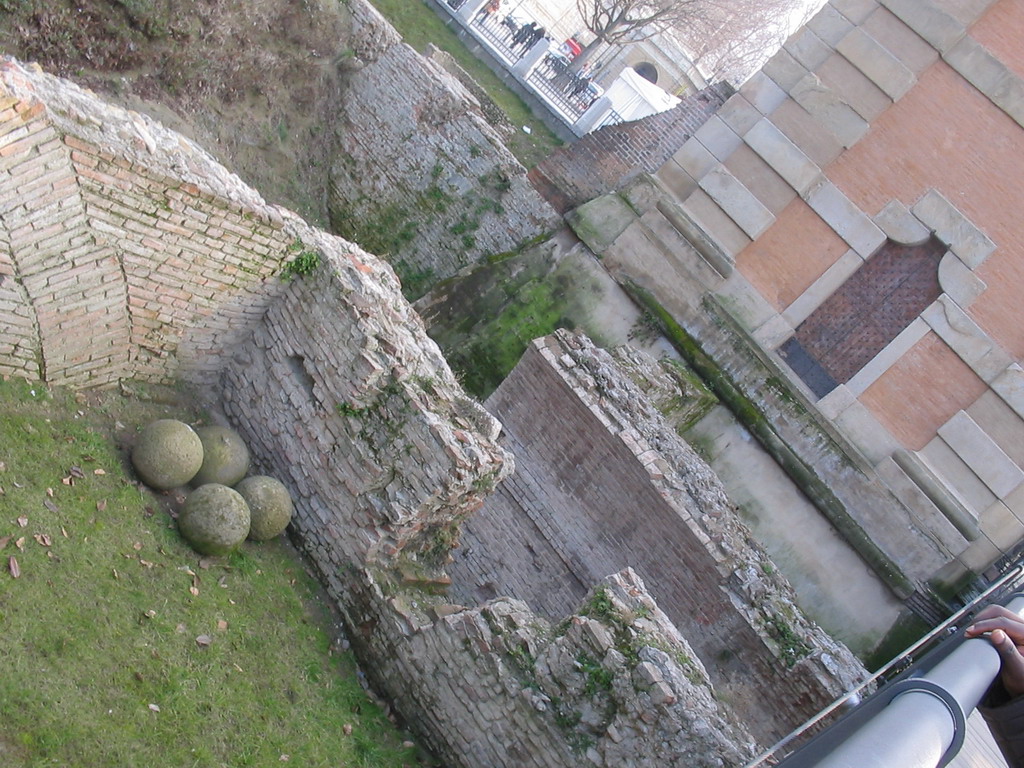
{"x":484,"y":320}
{"x":755,"y":420}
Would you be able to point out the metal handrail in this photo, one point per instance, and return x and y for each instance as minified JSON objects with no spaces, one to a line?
{"x":816,"y":750}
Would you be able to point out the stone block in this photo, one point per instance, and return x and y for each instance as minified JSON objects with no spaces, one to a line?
{"x":958,"y":281}
{"x":718,"y":138}
{"x":800,"y":127}
{"x":773,"y":332}
{"x":676,"y":180}
{"x":956,"y":476}
{"x":745,"y":303}
{"x":874,"y":60}
{"x":830,"y":25}
{"x":1015,"y":502}
{"x":643,"y":193}
{"x":997,"y":419}
{"x":763,"y":93}
{"x":783,"y":70}
{"x":929,"y":515}
{"x":980,"y":555}
{"x":1009,"y":385}
{"x":954,"y":229}
{"x":1002,"y":527}
{"x":900,"y":225}
{"x":599,"y":222}
{"x":785,"y":158}
{"x":739,"y":114}
{"x":737,"y":201}
{"x":857,"y":90}
{"x":980,"y":452}
{"x":757,"y":176}
{"x":989,"y":75}
{"x":695,"y":159}
{"x":966,"y":338}
{"x":860,"y":426}
{"x":888,"y":357}
{"x":720,"y":228}
{"x":829,"y":109}
{"x":901,"y":41}
{"x":846,"y":219}
{"x":836,"y":401}
{"x":857,"y":11}
{"x":807,"y":48}
{"x":933,"y":24}
{"x":822,"y":288}
{"x":679,"y":235}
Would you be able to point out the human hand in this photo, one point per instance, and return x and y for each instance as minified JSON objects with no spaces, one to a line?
{"x":1006,"y":632}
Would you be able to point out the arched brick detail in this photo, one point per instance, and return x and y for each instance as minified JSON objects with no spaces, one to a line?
{"x":867,"y":312}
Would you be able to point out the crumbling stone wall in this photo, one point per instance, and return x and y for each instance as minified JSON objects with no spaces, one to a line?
{"x":418,"y":169}
{"x":603,"y":482}
{"x":173,"y":266}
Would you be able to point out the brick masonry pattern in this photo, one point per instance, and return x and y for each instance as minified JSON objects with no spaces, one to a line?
{"x":612,"y":156}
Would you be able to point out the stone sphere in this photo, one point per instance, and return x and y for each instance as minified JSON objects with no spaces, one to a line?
{"x":214,"y":519}
{"x":167,"y":454}
{"x":225,"y":457}
{"x":270,"y":506}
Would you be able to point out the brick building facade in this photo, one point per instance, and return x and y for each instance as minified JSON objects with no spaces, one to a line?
{"x":847,"y":223}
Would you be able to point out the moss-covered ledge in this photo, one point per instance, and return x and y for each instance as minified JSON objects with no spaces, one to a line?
{"x":755,"y":420}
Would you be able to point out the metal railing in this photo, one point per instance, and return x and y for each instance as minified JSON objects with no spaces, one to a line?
{"x":562,"y":89}
{"x":498,"y":34}
{"x":917,"y":718}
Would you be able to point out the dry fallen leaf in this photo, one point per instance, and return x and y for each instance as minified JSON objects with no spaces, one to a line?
{"x":22,"y":521}
{"x":194,"y":591}
{"x":99,"y":472}
{"x":347,"y":729}
{"x":50,"y":505}
{"x":64,"y":532}
{"x":137,"y":546}
{"x":49,"y":492}
{"x":77,"y":472}
{"x":101,"y":505}
{"x":68,"y":480}
{"x":150,"y":614}
{"x":20,"y":543}
{"x":154,"y":707}
{"x":42,"y":539}
{"x":4,"y":540}
{"x":12,"y":565}
{"x":146,"y":563}
{"x":222,"y":625}
{"x":203,"y":641}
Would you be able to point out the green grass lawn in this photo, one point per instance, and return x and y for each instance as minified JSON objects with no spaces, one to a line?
{"x":120,"y":646}
{"x":419,"y":25}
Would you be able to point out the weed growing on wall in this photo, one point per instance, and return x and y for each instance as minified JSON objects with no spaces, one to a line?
{"x":303,"y":264}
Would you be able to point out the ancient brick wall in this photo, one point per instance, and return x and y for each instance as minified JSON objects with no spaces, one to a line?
{"x":603,"y":483}
{"x":610,"y":157}
{"x":417,"y":158}
{"x":130,"y":253}
{"x":113,"y":224}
